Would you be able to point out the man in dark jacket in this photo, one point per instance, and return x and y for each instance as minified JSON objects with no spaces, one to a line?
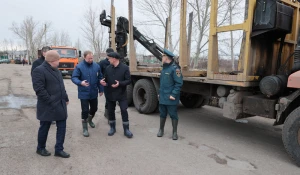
{"x":40,"y":60}
{"x":52,"y":103}
{"x":87,"y":76}
{"x":116,"y":79}
{"x":103,"y":64}
{"x":171,"y":81}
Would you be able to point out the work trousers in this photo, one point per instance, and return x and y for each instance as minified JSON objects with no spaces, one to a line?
{"x":123,"y":107}
{"x":168,"y":109}
{"x":60,"y":134}
{"x":105,"y":94}
{"x":88,"y":106}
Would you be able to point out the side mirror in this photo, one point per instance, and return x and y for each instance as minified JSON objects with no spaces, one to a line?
{"x":79,"y":53}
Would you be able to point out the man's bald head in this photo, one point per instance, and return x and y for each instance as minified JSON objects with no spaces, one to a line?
{"x":51,"y":56}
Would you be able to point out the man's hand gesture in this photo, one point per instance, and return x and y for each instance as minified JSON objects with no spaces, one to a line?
{"x":115,"y":85}
{"x":85,"y":83}
{"x":102,"y":82}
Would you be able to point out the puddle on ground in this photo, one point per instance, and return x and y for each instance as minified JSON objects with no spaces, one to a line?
{"x":16,"y":102}
{"x":231,"y":162}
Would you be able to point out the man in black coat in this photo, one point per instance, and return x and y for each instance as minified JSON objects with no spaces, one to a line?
{"x":52,"y":103}
{"x":40,"y":60}
{"x":116,"y":79}
{"x":103,"y":64}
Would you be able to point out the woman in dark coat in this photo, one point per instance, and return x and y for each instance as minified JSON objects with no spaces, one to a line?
{"x":52,"y":103}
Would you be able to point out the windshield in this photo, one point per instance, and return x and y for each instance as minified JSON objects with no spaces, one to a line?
{"x":66,"y":53}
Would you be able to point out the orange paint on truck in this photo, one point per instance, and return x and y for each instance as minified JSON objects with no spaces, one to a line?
{"x":68,"y":59}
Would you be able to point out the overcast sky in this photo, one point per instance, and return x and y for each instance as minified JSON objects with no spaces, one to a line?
{"x":63,"y":14}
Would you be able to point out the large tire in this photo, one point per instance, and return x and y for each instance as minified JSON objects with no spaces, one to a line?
{"x":192,"y":100}
{"x":130,"y":94}
{"x":291,"y":135}
{"x":145,"y":96}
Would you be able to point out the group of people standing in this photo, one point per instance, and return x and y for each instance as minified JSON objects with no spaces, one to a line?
{"x":110,"y":78}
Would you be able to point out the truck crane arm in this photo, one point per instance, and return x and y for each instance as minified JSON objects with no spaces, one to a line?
{"x":121,"y":37}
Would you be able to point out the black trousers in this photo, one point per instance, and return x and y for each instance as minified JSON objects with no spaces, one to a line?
{"x":123,"y":107}
{"x":60,"y":134}
{"x":88,"y":106}
{"x":105,"y":94}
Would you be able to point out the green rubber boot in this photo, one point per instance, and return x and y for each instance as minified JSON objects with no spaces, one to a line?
{"x":90,"y":118}
{"x":85,"y":128}
{"x":162,"y":126}
{"x":174,"y":124}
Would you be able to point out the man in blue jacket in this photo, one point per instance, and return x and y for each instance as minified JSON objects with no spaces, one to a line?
{"x":87,"y":76}
{"x":171,"y":81}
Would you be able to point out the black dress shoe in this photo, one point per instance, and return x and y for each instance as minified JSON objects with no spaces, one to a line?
{"x":43,"y":152}
{"x":62,"y":154}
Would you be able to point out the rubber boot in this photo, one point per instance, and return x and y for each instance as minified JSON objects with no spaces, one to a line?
{"x":162,"y":126}
{"x":90,"y":118}
{"x":85,"y":128}
{"x":127,"y":132}
{"x":174,"y":124}
{"x":112,"y":128}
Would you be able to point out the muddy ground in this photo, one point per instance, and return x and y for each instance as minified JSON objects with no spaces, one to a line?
{"x":208,"y":143}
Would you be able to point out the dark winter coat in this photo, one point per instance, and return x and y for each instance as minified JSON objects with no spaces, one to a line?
{"x":171,"y":81}
{"x":49,"y":87}
{"x":37,"y":62}
{"x":120,"y":73}
{"x":91,"y":73}
{"x":103,"y":64}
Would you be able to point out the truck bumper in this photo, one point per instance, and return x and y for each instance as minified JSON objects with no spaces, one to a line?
{"x":66,"y":72}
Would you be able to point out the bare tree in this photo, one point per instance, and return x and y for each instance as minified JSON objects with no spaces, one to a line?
{"x":78,"y":44}
{"x":201,"y":21}
{"x":55,"y":39}
{"x":61,"y":39}
{"x":32,"y":33}
{"x":233,"y":10}
{"x":65,"y":39}
{"x":5,"y":45}
{"x":93,"y":32}
{"x":157,"y":11}
{"x":227,"y":11}
{"x":13,"y":48}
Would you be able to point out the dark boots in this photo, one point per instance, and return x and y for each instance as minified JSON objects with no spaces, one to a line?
{"x":174,"y":124}
{"x":162,"y":126}
{"x":127,"y":133}
{"x":112,"y":128}
{"x":90,"y":118}
{"x":85,"y":128}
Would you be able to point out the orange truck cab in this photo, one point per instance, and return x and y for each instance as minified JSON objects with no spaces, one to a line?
{"x":69,"y":58}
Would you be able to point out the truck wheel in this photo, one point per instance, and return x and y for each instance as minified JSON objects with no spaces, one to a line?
{"x":192,"y":100}
{"x":129,"y":94}
{"x":145,"y":96}
{"x":291,"y":135}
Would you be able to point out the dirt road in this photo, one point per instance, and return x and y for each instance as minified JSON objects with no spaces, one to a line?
{"x":208,"y":143}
